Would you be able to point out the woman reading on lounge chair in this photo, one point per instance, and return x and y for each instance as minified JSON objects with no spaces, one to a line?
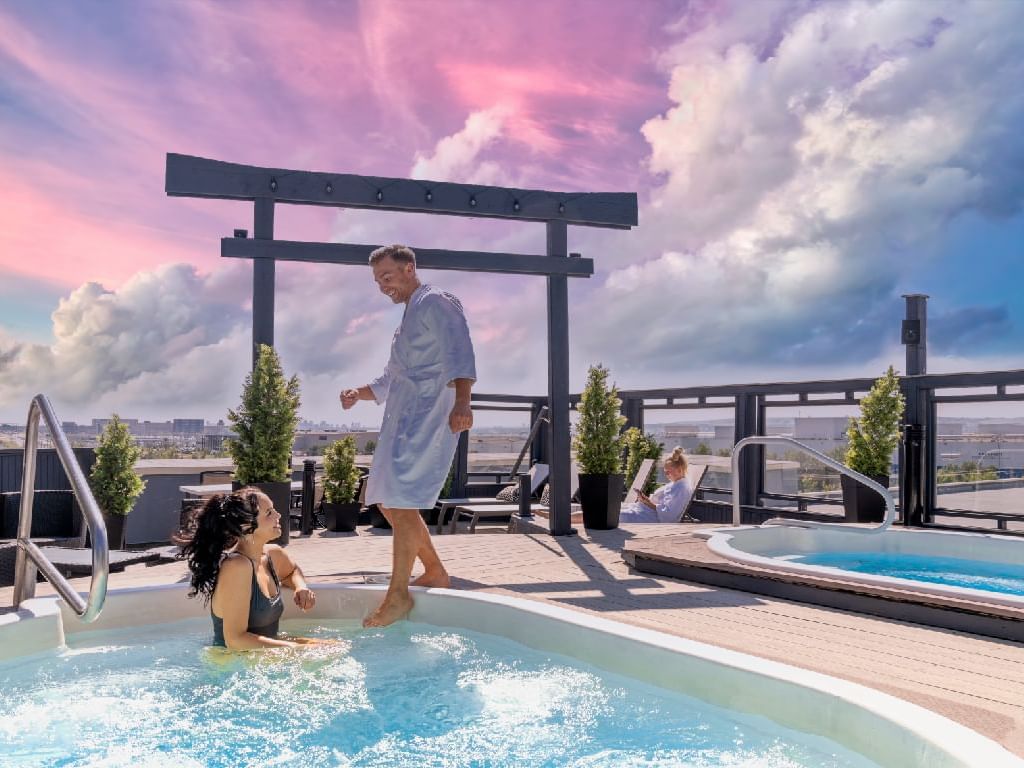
{"x":666,"y":504}
{"x":235,"y":569}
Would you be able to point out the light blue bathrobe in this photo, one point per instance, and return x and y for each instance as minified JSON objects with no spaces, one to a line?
{"x":430,"y":349}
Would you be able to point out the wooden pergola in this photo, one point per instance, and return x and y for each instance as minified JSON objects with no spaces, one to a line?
{"x":189,"y":176}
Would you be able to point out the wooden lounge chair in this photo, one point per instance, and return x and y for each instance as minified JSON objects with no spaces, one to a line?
{"x":695,"y":474}
{"x":639,"y":481}
{"x":538,"y":474}
{"x":504,"y":512}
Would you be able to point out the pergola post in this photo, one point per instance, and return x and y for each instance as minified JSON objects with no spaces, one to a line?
{"x":560,"y":520}
{"x":262,"y":281}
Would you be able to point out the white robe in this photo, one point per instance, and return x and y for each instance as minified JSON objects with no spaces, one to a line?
{"x":669,"y":500}
{"x":430,"y":349}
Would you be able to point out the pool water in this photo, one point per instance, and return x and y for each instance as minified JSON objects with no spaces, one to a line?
{"x":407,"y":695}
{"x":974,"y":574}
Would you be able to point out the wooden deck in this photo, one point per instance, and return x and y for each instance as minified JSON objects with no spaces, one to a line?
{"x":974,"y":680}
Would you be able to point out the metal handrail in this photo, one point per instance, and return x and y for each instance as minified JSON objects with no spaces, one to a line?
{"x":828,"y":461}
{"x":542,"y":416}
{"x":29,"y":556}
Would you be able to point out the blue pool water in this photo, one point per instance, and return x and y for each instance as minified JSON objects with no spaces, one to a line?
{"x":975,"y":574}
{"x":407,"y":695}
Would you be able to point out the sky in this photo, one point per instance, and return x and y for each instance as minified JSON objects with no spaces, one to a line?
{"x":799,"y":166}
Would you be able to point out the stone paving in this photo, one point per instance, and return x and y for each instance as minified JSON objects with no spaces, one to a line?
{"x":976,"y":681}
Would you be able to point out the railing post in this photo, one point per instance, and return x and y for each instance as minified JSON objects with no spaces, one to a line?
{"x":912,"y":486}
{"x":308,"y":486}
{"x":461,"y":477}
{"x":633,"y":410}
{"x":752,"y":460}
{"x":917,"y":451}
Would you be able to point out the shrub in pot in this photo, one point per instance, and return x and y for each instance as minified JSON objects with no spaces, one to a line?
{"x":113,"y":481}
{"x":340,"y":509}
{"x":265,"y":423}
{"x":598,"y":444}
{"x":872,"y":439}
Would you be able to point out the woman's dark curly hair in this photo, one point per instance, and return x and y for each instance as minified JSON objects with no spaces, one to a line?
{"x":222,"y":521}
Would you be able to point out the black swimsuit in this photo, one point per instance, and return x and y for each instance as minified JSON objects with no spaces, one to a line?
{"x":264,"y":612}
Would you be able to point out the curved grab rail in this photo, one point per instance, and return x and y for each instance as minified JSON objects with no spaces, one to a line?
{"x":828,"y":461}
{"x":29,"y":556}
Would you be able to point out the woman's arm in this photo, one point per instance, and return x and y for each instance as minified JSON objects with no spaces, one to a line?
{"x":305,"y":598}
{"x":231,"y":597}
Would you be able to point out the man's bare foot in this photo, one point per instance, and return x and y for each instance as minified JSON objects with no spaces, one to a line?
{"x":390,"y":611}
{"x":433,"y":579}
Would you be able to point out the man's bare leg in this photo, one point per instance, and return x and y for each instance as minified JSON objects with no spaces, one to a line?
{"x":434,"y":573}
{"x":405,"y":542}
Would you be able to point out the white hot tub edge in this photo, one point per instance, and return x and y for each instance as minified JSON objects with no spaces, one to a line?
{"x":888,"y":730}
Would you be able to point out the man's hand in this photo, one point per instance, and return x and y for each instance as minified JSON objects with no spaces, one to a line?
{"x":461,"y":417}
{"x":349,"y":397}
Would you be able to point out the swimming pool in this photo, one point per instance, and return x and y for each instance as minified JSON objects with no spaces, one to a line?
{"x":473,"y":678}
{"x":985,"y":568}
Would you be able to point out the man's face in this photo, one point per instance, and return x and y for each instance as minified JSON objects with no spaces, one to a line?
{"x":396,"y":280}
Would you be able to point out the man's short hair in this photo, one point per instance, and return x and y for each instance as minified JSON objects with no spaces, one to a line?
{"x":400,"y":254}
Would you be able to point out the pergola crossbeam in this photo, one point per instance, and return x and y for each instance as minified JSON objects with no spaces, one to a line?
{"x":189,"y":176}
{"x":426,"y":258}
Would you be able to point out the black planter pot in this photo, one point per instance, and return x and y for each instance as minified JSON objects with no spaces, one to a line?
{"x":860,"y":503}
{"x":280,"y":494}
{"x":341,"y":517}
{"x":377,"y":519}
{"x":115,"y":529}
{"x":601,"y":500}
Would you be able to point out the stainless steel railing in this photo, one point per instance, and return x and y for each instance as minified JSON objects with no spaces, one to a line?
{"x":828,"y":461}
{"x":29,"y":556}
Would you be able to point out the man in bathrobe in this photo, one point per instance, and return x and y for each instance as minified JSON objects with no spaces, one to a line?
{"x":426,"y":387}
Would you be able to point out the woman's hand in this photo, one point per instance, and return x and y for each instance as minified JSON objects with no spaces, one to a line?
{"x":305,"y":598}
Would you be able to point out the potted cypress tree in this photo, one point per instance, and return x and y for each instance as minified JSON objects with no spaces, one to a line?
{"x":341,"y":483}
{"x":640,"y":446}
{"x":265,"y":423}
{"x":113,"y":481}
{"x":598,"y":444}
{"x":872,"y":439}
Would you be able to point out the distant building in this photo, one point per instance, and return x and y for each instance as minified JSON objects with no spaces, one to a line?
{"x":187,"y":426}
{"x":317,"y":440}
{"x":820,"y":427}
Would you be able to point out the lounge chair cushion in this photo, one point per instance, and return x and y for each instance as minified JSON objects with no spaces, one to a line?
{"x":510,"y":494}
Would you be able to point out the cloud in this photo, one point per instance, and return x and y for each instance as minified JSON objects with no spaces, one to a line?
{"x":455,"y":157}
{"x":808,"y":172}
{"x":104,"y":339}
{"x":965,"y":329}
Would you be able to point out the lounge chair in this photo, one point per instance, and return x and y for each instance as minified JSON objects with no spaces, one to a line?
{"x":639,"y":481}
{"x":695,"y":474}
{"x":538,"y":474}
{"x":504,"y":512}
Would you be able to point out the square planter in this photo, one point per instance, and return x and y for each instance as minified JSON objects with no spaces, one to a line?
{"x":860,"y":503}
{"x":340,"y":517}
{"x":601,"y":500}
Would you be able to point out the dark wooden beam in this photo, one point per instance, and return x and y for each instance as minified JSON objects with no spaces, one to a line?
{"x":189,"y":176}
{"x":426,"y":258}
